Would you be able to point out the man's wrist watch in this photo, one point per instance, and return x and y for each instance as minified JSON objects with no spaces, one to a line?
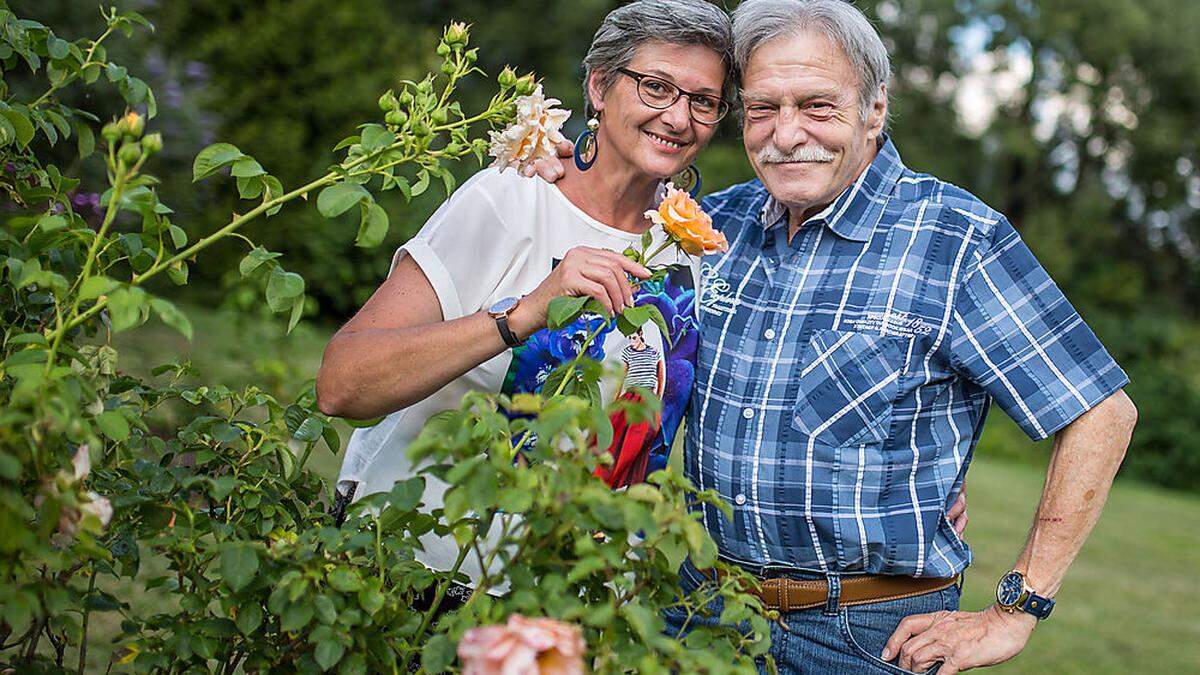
{"x":1013,"y":593}
{"x":500,"y":312}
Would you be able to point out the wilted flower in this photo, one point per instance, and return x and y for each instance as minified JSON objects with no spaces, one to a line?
{"x":687,"y":224}
{"x":523,"y":646}
{"x":533,"y":135}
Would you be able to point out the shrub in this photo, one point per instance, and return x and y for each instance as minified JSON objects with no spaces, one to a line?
{"x":249,"y":570}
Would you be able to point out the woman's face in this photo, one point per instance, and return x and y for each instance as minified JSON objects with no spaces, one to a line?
{"x":658,"y":142}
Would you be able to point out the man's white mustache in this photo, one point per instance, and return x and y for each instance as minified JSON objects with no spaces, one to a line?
{"x":804,"y":153}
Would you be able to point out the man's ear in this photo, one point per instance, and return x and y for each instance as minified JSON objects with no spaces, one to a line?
{"x":595,"y":91}
{"x":877,"y":117}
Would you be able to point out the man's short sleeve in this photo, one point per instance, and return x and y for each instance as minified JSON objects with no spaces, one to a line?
{"x":1016,"y":336}
{"x":465,"y":248}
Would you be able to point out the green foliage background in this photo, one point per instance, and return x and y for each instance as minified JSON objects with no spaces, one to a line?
{"x":1110,"y":206}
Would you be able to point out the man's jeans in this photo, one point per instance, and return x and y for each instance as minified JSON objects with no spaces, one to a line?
{"x":830,"y":639}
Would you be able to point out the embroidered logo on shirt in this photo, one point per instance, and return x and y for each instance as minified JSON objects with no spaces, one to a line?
{"x":715,"y":296}
{"x":901,"y":324}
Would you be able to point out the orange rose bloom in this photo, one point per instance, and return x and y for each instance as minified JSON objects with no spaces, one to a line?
{"x":686,"y":224}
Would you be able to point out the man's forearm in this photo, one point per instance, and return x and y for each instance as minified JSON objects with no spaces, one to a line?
{"x":1086,"y":456}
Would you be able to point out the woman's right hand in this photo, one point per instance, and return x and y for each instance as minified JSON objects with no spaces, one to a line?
{"x":584,"y":271}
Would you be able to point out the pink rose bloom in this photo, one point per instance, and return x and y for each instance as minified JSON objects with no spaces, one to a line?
{"x":523,"y":646}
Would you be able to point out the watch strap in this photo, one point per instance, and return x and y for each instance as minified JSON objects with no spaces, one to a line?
{"x":505,"y":332}
{"x":1037,"y":605}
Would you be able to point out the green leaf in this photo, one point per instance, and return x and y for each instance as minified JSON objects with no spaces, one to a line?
{"x":171,"y":316}
{"x":297,"y":615}
{"x":406,"y":494}
{"x":249,"y":618}
{"x":113,"y":424}
{"x":375,"y":136}
{"x":178,"y":273}
{"x":85,"y":140}
{"x":355,"y":664}
{"x":282,"y":287}
{"x":57,"y":48}
{"x":420,"y":186}
{"x":246,"y":167}
{"x":345,"y":580}
{"x":51,"y":222}
{"x":126,"y":307}
{"x":438,"y":654}
{"x":20,"y":124}
{"x":212,"y":158}
{"x":297,"y":313}
{"x":309,"y":430}
{"x":371,"y":600}
{"x":239,"y":564}
{"x":255,"y":258}
{"x":328,"y":653}
{"x":332,"y":439}
{"x":563,"y":310}
{"x":178,"y":236}
{"x":115,"y":72}
{"x":337,"y":199}
{"x":94,"y":287}
{"x":374,"y":227}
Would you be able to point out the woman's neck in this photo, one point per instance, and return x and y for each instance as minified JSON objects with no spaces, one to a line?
{"x":612,"y":192}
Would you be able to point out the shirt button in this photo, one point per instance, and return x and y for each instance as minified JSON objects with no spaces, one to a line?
{"x":740,"y":499}
{"x":769,"y":334}
{"x":747,"y":412}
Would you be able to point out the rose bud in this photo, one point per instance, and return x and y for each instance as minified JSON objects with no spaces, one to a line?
{"x":508,"y":78}
{"x":152,"y":143}
{"x":130,"y":153}
{"x":525,"y":85}
{"x":387,"y":101}
{"x":134,"y":123}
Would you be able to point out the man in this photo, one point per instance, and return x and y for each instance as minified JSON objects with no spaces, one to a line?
{"x":853,"y":339}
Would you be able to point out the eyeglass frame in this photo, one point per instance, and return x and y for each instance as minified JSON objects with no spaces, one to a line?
{"x":723,"y":105}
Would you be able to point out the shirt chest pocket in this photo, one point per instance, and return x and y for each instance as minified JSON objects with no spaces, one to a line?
{"x":848,"y":383}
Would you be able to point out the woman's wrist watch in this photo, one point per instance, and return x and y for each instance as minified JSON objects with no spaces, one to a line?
{"x":500,"y":311}
{"x":1013,"y":593}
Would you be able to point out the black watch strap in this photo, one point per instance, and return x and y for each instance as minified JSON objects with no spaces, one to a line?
{"x":505,"y":332}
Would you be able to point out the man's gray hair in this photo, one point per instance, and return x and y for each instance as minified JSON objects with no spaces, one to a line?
{"x":676,"y":22}
{"x":757,"y":22}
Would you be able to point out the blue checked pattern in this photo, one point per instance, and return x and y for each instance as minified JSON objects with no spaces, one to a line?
{"x":845,"y":376}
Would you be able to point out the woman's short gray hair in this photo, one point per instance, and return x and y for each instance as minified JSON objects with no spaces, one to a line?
{"x":676,"y":22}
{"x":757,"y":22}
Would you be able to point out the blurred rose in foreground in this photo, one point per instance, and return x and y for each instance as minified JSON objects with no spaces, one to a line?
{"x":523,"y":646}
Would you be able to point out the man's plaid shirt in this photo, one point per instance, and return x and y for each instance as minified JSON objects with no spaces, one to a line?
{"x":845,"y":376}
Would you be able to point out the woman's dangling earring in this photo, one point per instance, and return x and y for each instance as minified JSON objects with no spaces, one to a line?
{"x":688,"y":180}
{"x":587,"y":149}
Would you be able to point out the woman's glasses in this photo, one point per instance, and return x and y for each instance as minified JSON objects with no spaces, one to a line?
{"x":660,"y":94}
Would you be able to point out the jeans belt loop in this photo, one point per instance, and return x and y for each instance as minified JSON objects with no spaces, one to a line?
{"x":834,"y":594}
{"x":785,"y":592}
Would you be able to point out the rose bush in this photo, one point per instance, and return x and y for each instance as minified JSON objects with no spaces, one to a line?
{"x":217,"y":519}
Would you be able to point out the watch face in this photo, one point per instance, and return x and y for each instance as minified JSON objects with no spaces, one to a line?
{"x":1010,"y":588}
{"x":503,"y":306}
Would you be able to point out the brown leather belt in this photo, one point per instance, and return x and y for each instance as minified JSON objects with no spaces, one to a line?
{"x":786,"y":594}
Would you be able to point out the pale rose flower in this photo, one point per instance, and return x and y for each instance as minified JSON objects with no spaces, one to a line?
{"x":523,"y":646}
{"x":534,"y":133}
{"x":99,"y":507}
{"x":82,"y":461}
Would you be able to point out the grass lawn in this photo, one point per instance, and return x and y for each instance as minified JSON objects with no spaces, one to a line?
{"x":1127,"y":605}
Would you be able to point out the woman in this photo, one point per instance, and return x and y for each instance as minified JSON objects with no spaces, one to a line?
{"x":465,"y":305}
{"x":633,"y":442}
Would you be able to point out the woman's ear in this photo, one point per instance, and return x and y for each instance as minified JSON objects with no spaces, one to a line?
{"x":595,"y":90}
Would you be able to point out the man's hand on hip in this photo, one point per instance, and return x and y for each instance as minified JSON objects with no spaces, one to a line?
{"x":959,"y":640}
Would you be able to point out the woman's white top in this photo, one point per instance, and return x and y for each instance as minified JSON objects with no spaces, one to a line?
{"x":498,"y":236}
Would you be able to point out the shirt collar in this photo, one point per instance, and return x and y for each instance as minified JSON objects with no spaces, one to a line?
{"x":855,"y":212}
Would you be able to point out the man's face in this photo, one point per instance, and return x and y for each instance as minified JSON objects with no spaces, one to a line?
{"x":803,"y":129}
